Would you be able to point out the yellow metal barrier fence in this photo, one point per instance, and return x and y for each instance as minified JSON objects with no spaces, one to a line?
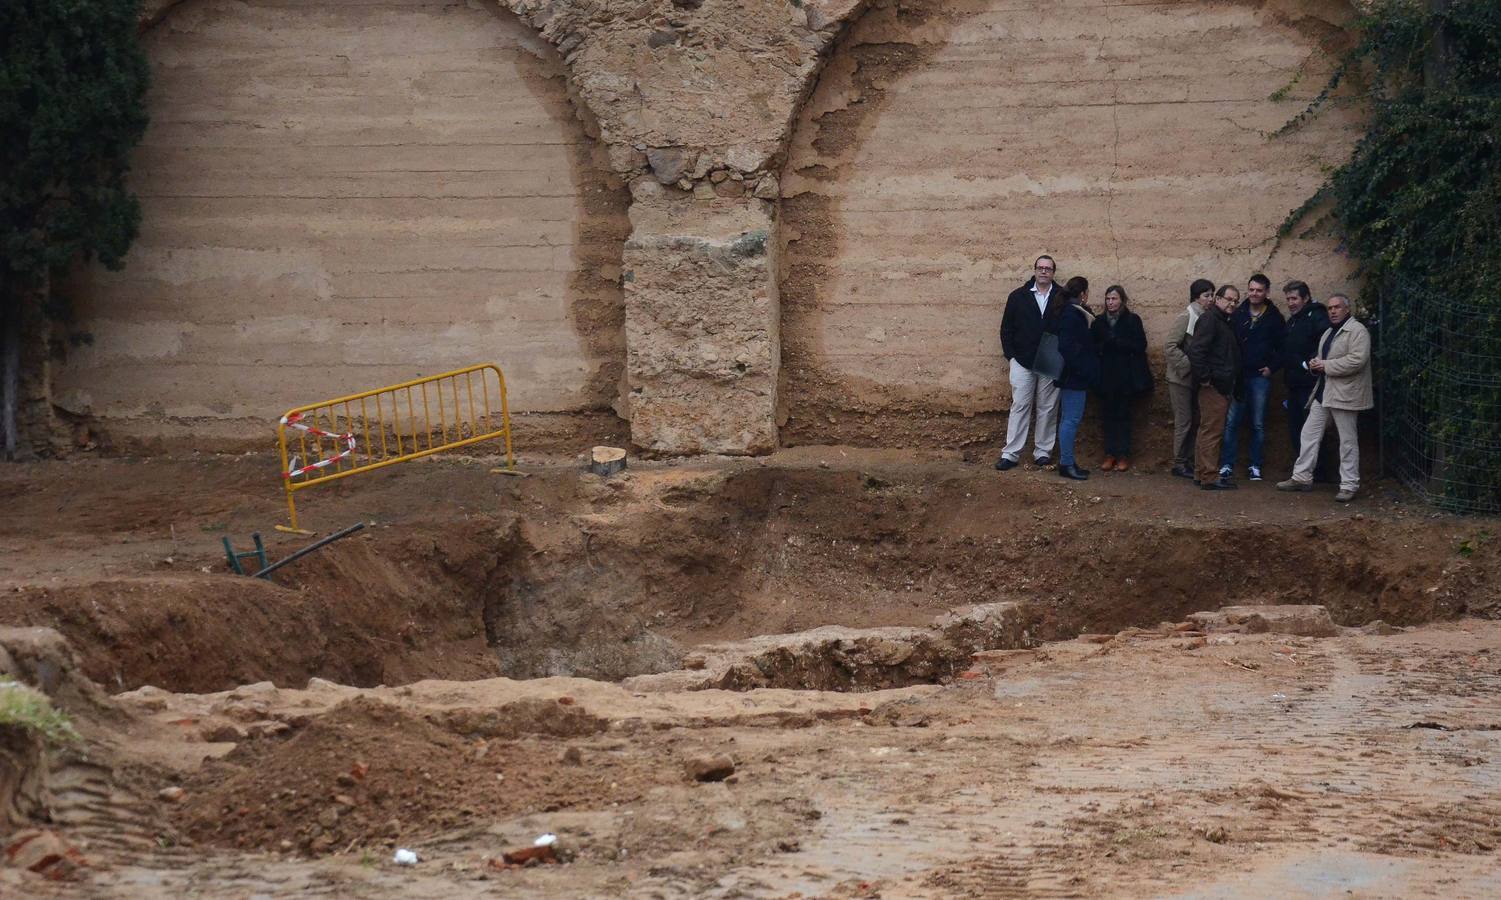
{"x":371,"y":430}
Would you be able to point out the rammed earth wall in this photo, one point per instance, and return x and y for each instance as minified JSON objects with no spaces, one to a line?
{"x":601,"y":197}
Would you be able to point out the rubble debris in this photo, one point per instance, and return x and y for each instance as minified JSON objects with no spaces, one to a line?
{"x":543,"y":850}
{"x":1300,"y":621}
{"x":44,"y":852}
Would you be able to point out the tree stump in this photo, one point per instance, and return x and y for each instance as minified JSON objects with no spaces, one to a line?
{"x":606,"y":460}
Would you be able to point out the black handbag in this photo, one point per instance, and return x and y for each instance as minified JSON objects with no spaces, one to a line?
{"x":1048,"y":362}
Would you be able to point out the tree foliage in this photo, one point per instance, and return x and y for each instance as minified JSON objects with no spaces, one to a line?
{"x":1419,"y":204}
{"x":72,"y":106}
{"x":72,"y":90}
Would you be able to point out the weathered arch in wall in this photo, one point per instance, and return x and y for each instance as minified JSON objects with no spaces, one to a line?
{"x":693,"y":105}
{"x":435,"y":201}
{"x":914,"y":195}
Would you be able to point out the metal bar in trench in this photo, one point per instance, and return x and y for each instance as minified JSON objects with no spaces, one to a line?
{"x":315,"y":545}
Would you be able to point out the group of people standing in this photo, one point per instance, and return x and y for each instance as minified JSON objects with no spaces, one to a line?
{"x":1221,"y":356}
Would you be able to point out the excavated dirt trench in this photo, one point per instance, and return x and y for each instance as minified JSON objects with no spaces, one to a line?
{"x":569,"y":574}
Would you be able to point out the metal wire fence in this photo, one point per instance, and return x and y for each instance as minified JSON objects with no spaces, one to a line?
{"x":1439,"y":368}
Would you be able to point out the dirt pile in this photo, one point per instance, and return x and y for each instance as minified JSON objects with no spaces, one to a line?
{"x":369,"y":774}
{"x":568,"y":574}
{"x":368,"y":610}
{"x":833,"y":658}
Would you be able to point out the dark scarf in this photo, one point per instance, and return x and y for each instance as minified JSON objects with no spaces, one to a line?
{"x":1324,"y":354}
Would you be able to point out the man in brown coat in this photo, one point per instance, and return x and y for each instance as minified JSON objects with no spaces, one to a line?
{"x":1214,"y":353}
{"x":1343,"y":367}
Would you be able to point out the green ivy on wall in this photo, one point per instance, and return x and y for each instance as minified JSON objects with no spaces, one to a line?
{"x":72,"y":106}
{"x":1419,"y":205}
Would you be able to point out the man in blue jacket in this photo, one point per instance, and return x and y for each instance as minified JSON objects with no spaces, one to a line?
{"x":1031,"y":310}
{"x":1259,"y":329}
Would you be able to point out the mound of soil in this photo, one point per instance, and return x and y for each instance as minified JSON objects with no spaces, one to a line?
{"x":371,"y":774}
{"x":569,"y":574}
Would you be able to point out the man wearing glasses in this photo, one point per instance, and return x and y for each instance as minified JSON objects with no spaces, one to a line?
{"x":1031,"y":311}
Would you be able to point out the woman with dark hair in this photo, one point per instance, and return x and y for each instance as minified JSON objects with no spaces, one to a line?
{"x":1078,"y":290}
{"x":1121,"y":342}
{"x":1081,"y":371}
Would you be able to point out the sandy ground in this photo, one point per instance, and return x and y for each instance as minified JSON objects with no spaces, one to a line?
{"x":1160,"y":761}
{"x":1154,"y":764}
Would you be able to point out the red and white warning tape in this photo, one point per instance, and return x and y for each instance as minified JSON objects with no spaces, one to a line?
{"x":295,"y":421}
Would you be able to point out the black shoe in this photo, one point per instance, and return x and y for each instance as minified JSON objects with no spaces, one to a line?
{"x":1183,"y":472}
{"x":1043,"y":461}
{"x":1224,"y":484}
{"x":1004,"y":464}
{"x":1074,"y":472}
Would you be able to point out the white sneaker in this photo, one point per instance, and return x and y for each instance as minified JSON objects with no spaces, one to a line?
{"x":1255,"y":473}
{"x":1224,"y":471}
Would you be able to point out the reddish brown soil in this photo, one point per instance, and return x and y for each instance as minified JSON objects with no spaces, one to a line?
{"x":368,"y":774}
{"x":465,"y":574}
{"x":1153,"y":762}
{"x":1148,"y":764}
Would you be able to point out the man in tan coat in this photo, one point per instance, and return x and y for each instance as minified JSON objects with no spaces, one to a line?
{"x":1343,"y":367}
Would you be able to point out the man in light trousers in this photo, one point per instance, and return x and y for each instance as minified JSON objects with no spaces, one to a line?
{"x":1343,"y":367}
{"x":1032,"y":310}
{"x":1181,"y":388}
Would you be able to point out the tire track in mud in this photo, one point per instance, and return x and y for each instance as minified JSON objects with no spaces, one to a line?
{"x":1151,"y":764}
{"x":1313,"y":748}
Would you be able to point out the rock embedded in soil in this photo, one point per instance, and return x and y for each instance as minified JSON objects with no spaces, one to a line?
{"x":710,"y":767}
{"x":222,"y":733}
{"x":1295,"y":620}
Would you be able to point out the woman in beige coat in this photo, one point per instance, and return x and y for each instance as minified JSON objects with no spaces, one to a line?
{"x":1343,"y":367}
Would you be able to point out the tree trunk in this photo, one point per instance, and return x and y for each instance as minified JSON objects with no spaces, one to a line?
{"x":25,"y":408}
{"x":1439,"y":57}
{"x":10,"y":370}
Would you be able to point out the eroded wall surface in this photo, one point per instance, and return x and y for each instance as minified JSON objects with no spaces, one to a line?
{"x":339,"y":195}
{"x":947,"y":144}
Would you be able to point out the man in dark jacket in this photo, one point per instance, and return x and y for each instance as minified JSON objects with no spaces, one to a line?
{"x":1031,"y":311}
{"x":1307,"y":321}
{"x":1259,"y":327}
{"x":1214,"y":354}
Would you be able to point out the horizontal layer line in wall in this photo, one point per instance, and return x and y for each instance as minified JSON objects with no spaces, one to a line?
{"x":304,"y":214}
{"x":155,"y":142}
{"x":326,"y":197}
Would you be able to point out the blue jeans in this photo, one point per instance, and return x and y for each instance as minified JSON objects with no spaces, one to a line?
{"x":1257,"y":389}
{"x":1071,"y":413}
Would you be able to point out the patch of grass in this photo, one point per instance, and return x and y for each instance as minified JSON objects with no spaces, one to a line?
{"x":1127,"y":836}
{"x":1469,"y":545}
{"x":22,"y":707}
